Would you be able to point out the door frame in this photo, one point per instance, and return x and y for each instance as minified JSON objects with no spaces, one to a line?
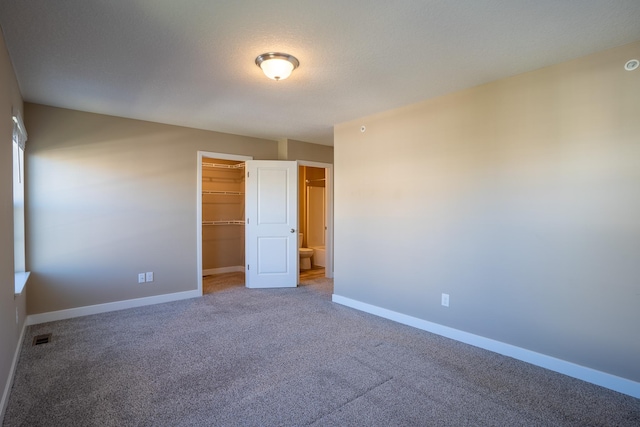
{"x":201,"y":155}
{"x":328,"y":238}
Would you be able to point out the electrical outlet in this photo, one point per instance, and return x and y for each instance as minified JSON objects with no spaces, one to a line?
{"x":445,"y":300}
{"x":149,"y":276}
{"x":141,"y":278}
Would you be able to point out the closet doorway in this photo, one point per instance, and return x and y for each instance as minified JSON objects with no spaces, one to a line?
{"x":221,"y":221}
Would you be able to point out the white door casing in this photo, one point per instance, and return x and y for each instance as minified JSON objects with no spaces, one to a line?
{"x":271,"y":233}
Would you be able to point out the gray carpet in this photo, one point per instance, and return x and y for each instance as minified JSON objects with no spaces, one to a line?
{"x":221,"y":282}
{"x":284,"y":357}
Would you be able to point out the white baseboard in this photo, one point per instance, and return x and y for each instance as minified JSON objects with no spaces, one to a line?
{"x":51,"y":316}
{"x":621,"y":385}
{"x":12,"y":371}
{"x":220,"y":270}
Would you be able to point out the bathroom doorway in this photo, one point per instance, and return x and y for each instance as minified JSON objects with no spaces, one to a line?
{"x":315,"y":217}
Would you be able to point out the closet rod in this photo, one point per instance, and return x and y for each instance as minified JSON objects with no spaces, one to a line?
{"x":222,"y":222}
{"x":223,"y":179}
{"x":224,"y":193}
{"x":314,"y":180}
{"x":221,"y":166}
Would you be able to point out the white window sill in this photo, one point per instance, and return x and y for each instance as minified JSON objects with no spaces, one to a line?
{"x":20,"y":282}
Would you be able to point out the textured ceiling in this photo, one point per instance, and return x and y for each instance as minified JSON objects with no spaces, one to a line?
{"x":191,"y":62}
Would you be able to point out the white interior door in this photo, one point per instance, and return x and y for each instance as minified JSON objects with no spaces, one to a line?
{"x":272,"y":224}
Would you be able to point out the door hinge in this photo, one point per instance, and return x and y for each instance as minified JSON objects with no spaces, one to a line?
{"x":247,"y":174}
{"x":248,"y":267}
{"x":247,"y":220}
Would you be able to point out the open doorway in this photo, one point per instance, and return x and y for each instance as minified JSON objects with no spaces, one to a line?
{"x":315,"y":220}
{"x":220,"y":221}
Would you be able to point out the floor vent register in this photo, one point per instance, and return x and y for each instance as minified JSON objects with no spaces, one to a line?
{"x":41,"y":339}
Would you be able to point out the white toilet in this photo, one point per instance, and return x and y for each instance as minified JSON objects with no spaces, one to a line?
{"x":305,"y":254}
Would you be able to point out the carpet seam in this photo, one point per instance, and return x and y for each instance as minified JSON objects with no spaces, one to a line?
{"x":352,"y":400}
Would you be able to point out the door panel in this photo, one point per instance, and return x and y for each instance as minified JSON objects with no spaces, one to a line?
{"x":273,"y":251}
{"x":272,"y":196}
{"x":272,"y":224}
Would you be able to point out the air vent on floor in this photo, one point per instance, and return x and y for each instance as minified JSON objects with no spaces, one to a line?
{"x":41,"y":339}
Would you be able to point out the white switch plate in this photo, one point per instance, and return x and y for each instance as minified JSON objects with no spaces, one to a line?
{"x":445,"y":300}
{"x":141,"y":278}
{"x":149,"y":276}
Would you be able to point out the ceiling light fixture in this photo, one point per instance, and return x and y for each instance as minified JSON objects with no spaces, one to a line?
{"x":277,"y":66}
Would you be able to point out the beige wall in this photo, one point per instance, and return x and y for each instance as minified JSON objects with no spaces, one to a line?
{"x":9,"y":330}
{"x":519,"y":198}
{"x":290,"y":149}
{"x":108,"y":198}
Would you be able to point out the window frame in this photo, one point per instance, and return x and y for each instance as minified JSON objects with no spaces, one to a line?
{"x":19,"y":238}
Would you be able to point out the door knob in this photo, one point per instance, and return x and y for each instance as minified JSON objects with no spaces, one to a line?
{"x":293,"y":231}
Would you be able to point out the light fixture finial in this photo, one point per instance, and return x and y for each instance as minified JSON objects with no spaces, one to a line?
{"x":276,"y":65}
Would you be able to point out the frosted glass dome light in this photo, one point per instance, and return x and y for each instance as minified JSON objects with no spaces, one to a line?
{"x":277,"y":66}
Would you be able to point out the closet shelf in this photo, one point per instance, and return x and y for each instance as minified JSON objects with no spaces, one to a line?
{"x":221,"y":166}
{"x":223,"y":222}
{"x":224,"y":180}
{"x":224,"y":193}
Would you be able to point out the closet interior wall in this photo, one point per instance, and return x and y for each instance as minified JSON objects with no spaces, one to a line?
{"x":223,"y":187}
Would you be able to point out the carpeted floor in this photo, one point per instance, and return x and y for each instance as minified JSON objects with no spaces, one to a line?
{"x":220,"y":282}
{"x":284,"y":357}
